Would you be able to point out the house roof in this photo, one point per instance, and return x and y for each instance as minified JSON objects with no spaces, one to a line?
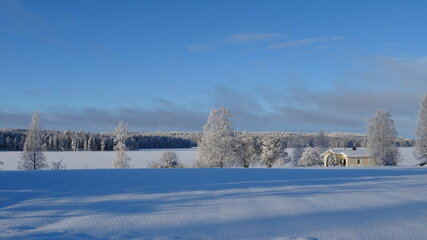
{"x":360,"y":152}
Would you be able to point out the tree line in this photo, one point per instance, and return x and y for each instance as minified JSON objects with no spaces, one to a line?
{"x":14,"y":139}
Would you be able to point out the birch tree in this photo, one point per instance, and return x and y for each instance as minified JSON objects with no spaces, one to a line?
{"x":216,"y":145}
{"x":421,"y":143}
{"x":121,"y":159}
{"x":33,"y":158}
{"x":381,"y":139}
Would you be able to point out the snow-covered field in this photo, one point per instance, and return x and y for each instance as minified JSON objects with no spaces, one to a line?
{"x":94,"y":160}
{"x":140,"y":159}
{"x":301,"y":203}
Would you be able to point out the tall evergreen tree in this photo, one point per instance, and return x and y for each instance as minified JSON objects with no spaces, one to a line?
{"x":121,"y":159}
{"x":216,"y":145}
{"x":421,"y":143}
{"x":381,"y":139}
{"x":32,"y":158}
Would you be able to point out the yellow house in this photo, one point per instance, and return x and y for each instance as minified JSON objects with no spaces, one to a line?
{"x":347,"y":157}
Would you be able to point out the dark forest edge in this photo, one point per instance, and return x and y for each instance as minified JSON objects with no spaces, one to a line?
{"x":13,"y":140}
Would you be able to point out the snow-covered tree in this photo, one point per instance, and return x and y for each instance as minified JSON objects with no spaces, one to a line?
{"x":381,"y":139}
{"x":296,"y":155}
{"x":33,"y":158}
{"x":321,"y":141}
{"x":421,"y":144}
{"x":273,"y":150}
{"x":246,"y":150}
{"x":311,"y":157}
{"x":216,"y":145}
{"x":59,"y":165}
{"x":168,"y":160}
{"x":121,"y":159}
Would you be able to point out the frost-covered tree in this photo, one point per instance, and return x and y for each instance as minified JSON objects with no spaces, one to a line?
{"x":59,"y":165}
{"x":321,"y":141}
{"x":296,"y":155}
{"x":33,"y":158}
{"x":381,"y":139}
{"x":121,"y":159}
{"x":311,"y":157}
{"x":216,"y":144}
{"x":421,"y":144}
{"x":168,"y":160}
{"x":246,"y":150}
{"x":273,"y":150}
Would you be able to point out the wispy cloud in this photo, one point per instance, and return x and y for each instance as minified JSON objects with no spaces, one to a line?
{"x":200,"y":47}
{"x":252,"y":37}
{"x":237,"y":38}
{"x":304,"y":42}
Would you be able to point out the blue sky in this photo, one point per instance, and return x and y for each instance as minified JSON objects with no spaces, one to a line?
{"x":162,"y":65}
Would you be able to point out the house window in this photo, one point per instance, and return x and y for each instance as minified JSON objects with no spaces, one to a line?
{"x":358,"y":161}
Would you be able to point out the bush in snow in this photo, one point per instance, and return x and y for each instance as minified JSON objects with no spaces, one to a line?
{"x":421,"y":143}
{"x":381,"y":139}
{"x":216,"y":145}
{"x":121,"y":159}
{"x":32,"y":158}
{"x":311,"y":158}
{"x":59,"y":165}
{"x":168,"y":160}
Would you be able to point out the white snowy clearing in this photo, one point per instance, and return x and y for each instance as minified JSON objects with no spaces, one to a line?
{"x":97,"y":159}
{"x":300,"y":203}
{"x":141,"y":159}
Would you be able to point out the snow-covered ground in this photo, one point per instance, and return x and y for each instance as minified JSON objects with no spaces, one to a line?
{"x":141,"y":159}
{"x":300,"y":203}
{"x":93,"y":160}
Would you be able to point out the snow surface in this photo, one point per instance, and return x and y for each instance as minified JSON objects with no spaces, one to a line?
{"x":96,"y":159}
{"x":141,"y":159}
{"x":277,"y":204}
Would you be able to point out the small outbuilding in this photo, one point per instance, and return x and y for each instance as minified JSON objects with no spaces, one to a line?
{"x":347,"y":157}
